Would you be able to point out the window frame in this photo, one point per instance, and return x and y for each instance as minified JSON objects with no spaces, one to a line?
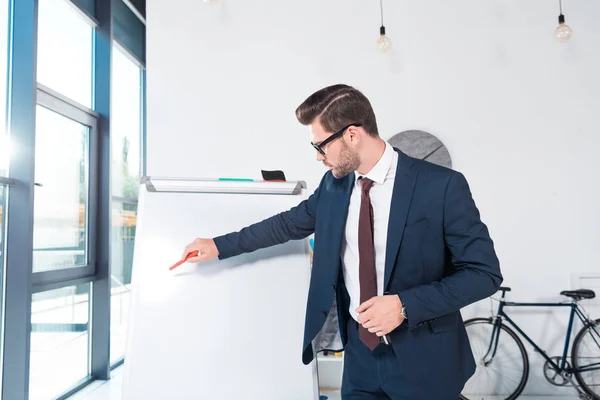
{"x":48,"y":280}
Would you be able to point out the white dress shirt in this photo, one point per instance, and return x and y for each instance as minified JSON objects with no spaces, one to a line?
{"x":383,"y":175}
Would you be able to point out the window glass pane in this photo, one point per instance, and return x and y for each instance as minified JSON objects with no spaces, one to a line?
{"x":126,"y":130}
{"x":59,"y":340}
{"x":125,"y":126}
{"x":65,"y":50}
{"x":4,"y":153}
{"x":3,"y":92}
{"x":2,"y":217}
{"x":60,"y":226}
{"x":4,"y":150}
{"x":3,"y":192}
{"x":122,"y":236}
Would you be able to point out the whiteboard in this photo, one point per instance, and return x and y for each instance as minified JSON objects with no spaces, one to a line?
{"x":228,"y":329}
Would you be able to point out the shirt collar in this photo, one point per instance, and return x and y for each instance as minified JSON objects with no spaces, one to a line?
{"x":379,"y":172}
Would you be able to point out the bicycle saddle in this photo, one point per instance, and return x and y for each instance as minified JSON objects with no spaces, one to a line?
{"x":579,"y":294}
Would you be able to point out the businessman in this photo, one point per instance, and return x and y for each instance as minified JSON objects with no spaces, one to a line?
{"x":399,"y":249}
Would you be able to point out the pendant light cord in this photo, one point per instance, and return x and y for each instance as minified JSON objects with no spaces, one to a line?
{"x":560,"y":6}
{"x":381,"y":8}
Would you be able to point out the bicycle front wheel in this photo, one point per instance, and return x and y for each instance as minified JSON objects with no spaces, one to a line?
{"x":586,"y":358}
{"x":502,"y":362}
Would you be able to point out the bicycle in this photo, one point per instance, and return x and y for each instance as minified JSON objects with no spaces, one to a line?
{"x":503,"y":364}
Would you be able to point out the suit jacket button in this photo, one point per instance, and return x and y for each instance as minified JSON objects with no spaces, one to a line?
{"x":324,"y":313}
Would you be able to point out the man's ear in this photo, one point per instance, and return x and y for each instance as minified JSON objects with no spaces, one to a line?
{"x":354,"y":134}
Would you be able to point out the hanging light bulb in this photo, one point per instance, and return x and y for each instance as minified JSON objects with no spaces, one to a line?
{"x":563,"y":32}
{"x":384,"y":44}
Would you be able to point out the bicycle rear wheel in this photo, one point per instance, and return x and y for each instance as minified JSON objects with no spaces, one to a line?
{"x":586,"y":353}
{"x":501,"y":373}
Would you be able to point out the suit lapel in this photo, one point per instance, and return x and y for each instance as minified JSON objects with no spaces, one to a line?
{"x":340,"y":190}
{"x":404,"y":185}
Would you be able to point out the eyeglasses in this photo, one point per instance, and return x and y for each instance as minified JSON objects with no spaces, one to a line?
{"x":321,"y":146}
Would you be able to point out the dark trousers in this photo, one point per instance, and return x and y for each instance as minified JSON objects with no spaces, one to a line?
{"x":372,"y":375}
{"x":377,"y":374}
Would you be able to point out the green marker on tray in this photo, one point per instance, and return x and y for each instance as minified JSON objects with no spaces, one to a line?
{"x":237,"y":179}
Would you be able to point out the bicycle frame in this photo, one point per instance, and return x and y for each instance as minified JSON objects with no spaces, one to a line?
{"x":575,"y":310}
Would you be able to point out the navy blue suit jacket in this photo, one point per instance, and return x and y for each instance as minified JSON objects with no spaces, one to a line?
{"x":439,"y":258}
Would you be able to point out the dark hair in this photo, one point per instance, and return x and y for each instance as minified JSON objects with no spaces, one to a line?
{"x":337,"y":106}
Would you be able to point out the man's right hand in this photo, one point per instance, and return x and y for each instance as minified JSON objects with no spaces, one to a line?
{"x":207,"y":250}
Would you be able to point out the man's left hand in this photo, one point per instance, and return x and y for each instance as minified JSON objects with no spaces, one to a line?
{"x":381,"y":314}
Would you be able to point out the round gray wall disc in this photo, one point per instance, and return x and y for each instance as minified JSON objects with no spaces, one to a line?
{"x":422,"y":145}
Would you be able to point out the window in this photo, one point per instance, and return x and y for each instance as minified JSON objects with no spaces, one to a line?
{"x":126,"y":131}
{"x":61,"y":148}
{"x":2,"y":208}
{"x":59,"y":340}
{"x":61,"y":195}
{"x":122,"y":236}
{"x":4,"y":148}
{"x":126,"y":126}
{"x":64,"y":62}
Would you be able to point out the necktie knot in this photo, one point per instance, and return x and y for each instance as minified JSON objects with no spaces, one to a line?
{"x":366,"y":184}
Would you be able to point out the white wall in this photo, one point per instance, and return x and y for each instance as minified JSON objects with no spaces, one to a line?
{"x":518,"y":111}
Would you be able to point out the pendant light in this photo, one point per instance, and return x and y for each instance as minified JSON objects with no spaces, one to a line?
{"x":563,"y":32}
{"x":384,"y":44}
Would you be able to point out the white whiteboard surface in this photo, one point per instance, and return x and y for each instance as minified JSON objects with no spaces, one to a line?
{"x":228,"y":329}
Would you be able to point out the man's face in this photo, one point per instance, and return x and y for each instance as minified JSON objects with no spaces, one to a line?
{"x":340,"y":157}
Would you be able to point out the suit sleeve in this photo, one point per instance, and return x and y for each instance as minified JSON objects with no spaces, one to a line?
{"x":477,"y":274}
{"x":296,"y":223}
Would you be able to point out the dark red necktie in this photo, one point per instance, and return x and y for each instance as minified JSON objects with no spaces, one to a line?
{"x":367,"y":273}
